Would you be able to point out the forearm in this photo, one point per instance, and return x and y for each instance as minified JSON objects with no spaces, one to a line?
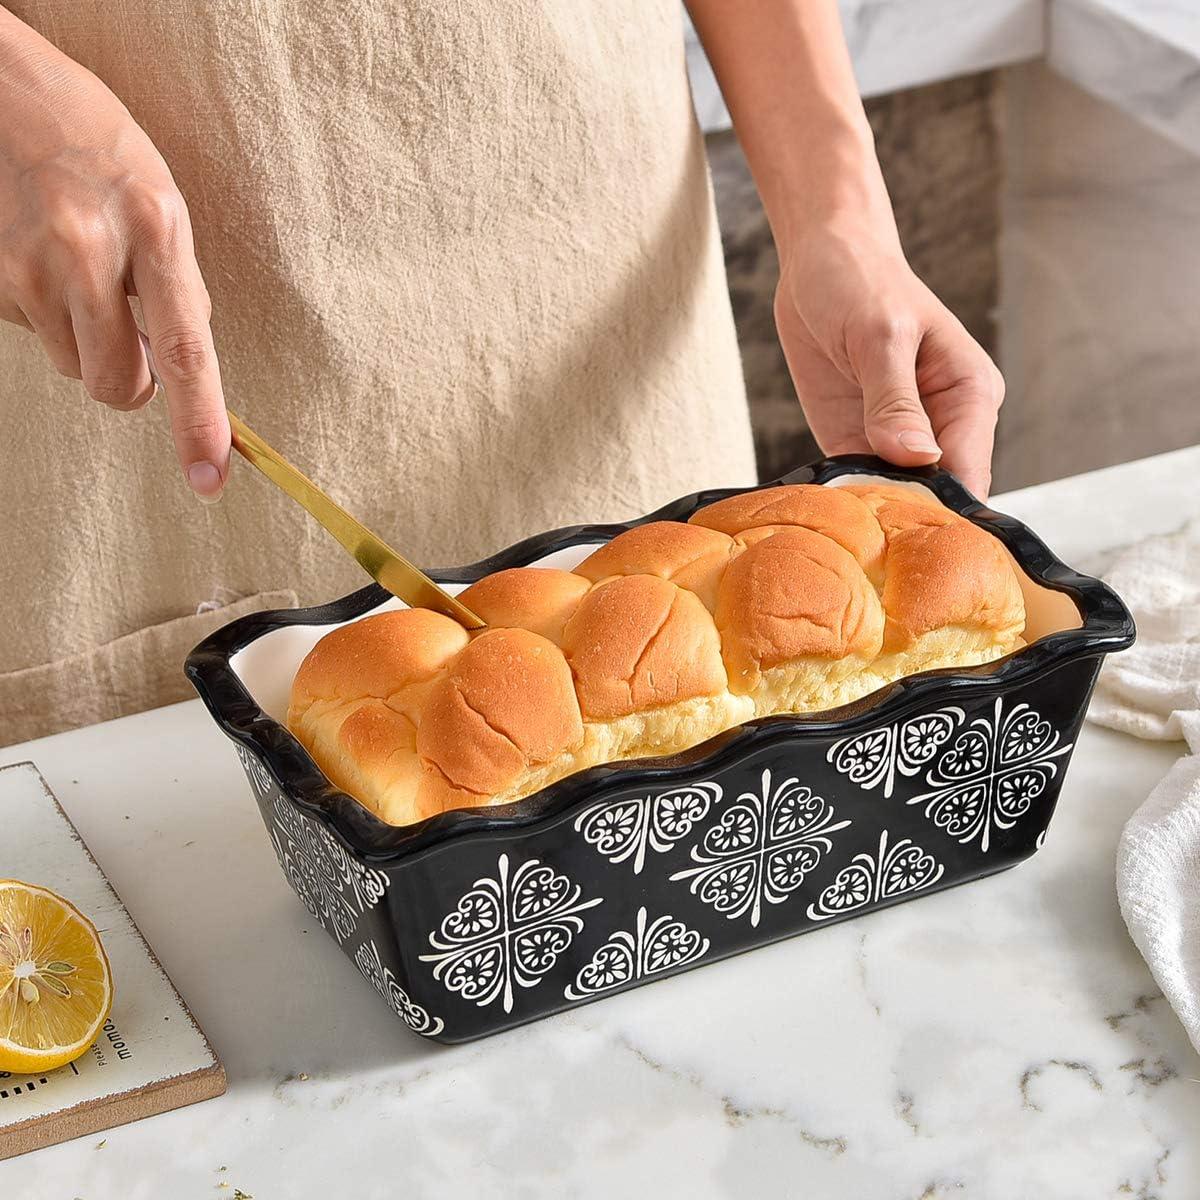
{"x":21,"y":49}
{"x":91,"y":216}
{"x":34,"y":76}
{"x":786,"y":76}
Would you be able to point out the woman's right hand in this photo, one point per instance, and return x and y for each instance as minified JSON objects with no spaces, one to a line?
{"x":89,"y":216}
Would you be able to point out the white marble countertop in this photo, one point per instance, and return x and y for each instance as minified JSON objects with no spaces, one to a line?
{"x":1001,"y":1040}
{"x":1141,"y":55}
{"x":899,"y":44}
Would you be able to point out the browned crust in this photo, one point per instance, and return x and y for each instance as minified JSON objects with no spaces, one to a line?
{"x":951,"y":574}
{"x":379,"y":657}
{"x":539,"y":599}
{"x":690,"y":556}
{"x":794,"y":595}
{"x":507,"y":703}
{"x":639,"y":642}
{"x":834,"y":512}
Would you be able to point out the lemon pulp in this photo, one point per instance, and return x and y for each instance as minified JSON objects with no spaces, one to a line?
{"x":55,"y":981}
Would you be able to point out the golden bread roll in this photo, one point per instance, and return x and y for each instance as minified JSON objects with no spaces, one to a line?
{"x":647,"y":665}
{"x":383,"y":657}
{"x":795,"y":611}
{"x":689,"y":556}
{"x":941,"y":575}
{"x":356,"y":700}
{"x":505,"y":709}
{"x":949,"y":592}
{"x":535,"y":598}
{"x":375,"y":758}
{"x":640,"y":642}
{"x":788,"y":599}
{"x":834,"y":512}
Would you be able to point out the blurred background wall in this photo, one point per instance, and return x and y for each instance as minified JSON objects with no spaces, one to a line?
{"x":1059,"y":226}
{"x":1099,"y":318}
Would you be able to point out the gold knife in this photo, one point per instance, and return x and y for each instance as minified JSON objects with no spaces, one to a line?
{"x":389,"y":568}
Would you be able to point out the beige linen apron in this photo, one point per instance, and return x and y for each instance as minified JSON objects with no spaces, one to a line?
{"x":464,"y":269}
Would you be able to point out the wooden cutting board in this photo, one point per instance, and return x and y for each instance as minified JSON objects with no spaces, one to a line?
{"x":151,"y":1055}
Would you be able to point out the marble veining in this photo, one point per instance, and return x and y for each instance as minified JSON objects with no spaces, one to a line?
{"x":897,"y":44}
{"x":1100,"y":285}
{"x":989,"y":1042}
{"x":1141,"y":55}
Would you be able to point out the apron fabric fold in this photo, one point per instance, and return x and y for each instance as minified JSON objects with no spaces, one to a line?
{"x":465,"y":272}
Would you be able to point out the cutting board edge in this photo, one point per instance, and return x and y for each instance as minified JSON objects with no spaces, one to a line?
{"x":96,"y":1116}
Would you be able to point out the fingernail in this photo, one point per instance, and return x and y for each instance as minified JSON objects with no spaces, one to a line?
{"x":919,"y":443}
{"x":205,"y":480}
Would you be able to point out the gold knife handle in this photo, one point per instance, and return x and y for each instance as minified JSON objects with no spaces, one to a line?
{"x":390,"y":568}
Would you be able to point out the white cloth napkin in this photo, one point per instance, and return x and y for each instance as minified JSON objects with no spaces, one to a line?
{"x":1153,"y":691}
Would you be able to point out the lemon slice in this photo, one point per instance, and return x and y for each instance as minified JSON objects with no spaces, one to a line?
{"x":55,"y":982}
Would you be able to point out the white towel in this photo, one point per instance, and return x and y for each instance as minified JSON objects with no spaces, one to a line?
{"x":1153,"y":691}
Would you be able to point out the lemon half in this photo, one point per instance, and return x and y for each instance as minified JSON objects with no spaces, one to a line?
{"x":55,"y":981}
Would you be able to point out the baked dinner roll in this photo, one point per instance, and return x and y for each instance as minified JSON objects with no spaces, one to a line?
{"x":796,"y":614}
{"x":390,"y":657}
{"x":502,"y":714}
{"x":689,"y":556}
{"x":834,"y":512}
{"x":950,"y":578}
{"x":639,"y":642}
{"x":950,"y":595}
{"x":647,"y":664}
{"x":785,"y":600}
{"x":535,"y":598}
{"x":375,"y":758}
{"x":356,"y":698}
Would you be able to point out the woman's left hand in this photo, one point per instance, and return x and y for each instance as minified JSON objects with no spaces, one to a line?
{"x":879,"y":363}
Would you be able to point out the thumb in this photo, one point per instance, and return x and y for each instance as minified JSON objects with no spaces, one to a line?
{"x":894,"y":419}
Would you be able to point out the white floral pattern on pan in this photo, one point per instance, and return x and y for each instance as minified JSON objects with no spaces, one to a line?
{"x":507,"y":931}
{"x":335,"y":888}
{"x":992,"y":772}
{"x":641,"y":954}
{"x":411,"y":1013}
{"x":624,"y":829}
{"x":875,"y":757}
{"x":408,"y":1011}
{"x":259,"y":776}
{"x":896,"y":870}
{"x":763,"y":848}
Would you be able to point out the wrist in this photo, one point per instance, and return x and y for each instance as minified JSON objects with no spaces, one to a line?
{"x":20,"y":45}
{"x":31,"y":72}
{"x":829,"y":187}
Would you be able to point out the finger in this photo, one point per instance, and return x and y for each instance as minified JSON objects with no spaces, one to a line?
{"x":844,"y":442}
{"x":966,"y":425}
{"x":12,"y":312}
{"x":832,"y":405}
{"x":894,"y":418}
{"x":52,"y":323}
{"x":835,"y":420}
{"x":111,"y":358}
{"x":175,"y":309}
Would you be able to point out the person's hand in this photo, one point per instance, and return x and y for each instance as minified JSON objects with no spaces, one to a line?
{"x":89,"y":215}
{"x":879,"y":363}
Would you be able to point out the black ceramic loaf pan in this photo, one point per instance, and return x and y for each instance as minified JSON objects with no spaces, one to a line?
{"x":475,"y":921}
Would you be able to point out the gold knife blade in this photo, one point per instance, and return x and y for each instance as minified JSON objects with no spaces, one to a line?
{"x":386,"y":566}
